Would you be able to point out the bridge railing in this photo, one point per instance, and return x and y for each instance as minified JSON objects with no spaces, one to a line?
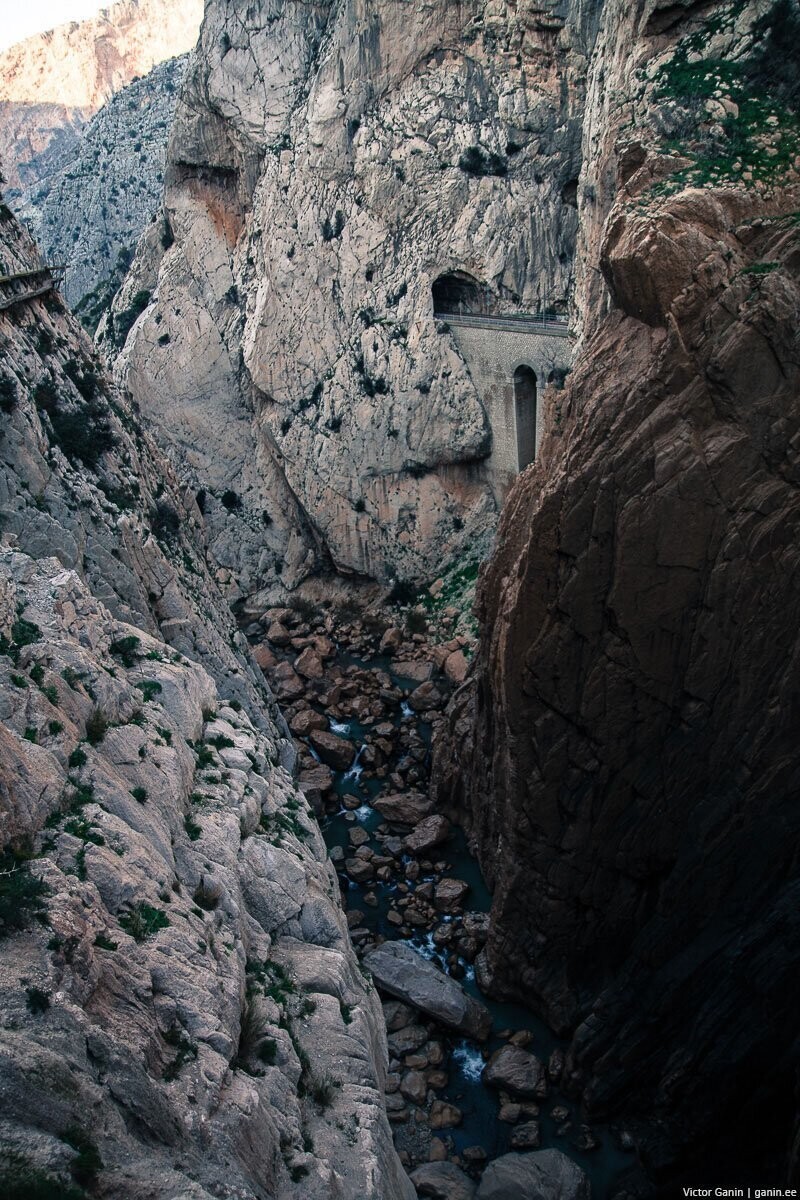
{"x":551,"y":324}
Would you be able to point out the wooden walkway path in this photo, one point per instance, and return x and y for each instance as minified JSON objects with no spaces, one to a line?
{"x":27,"y":285}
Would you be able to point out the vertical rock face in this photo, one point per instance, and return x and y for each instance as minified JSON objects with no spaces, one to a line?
{"x":89,"y":211}
{"x":328,"y":164}
{"x":51,"y":84}
{"x":625,"y":753}
{"x":175,"y":964}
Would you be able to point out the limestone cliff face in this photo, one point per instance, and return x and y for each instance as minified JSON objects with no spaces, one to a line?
{"x":53,"y":83}
{"x":328,"y":163}
{"x":175,"y":967}
{"x":625,"y":754}
{"x":89,"y":211}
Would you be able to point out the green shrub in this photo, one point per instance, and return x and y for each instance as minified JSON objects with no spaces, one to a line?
{"x":45,"y":395}
{"x":252,"y":1037}
{"x":193,"y":830}
{"x":21,"y":895}
{"x":37,"y":1000}
{"x":87,"y":1163}
{"x":149,"y":688}
{"x":54,"y":728}
{"x":186,"y":1052}
{"x":126,"y":649}
{"x":8,"y":394}
{"x":20,"y":1180}
{"x":77,"y":758}
{"x":477,"y":161}
{"x":268,"y":1051}
{"x":143,"y":921}
{"x":82,"y":434}
{"x":124,"y":321}
{"x":164,"y":521}
{"x":230,"y":500}
{"x":96,"y":727}
{"x":207,"y":895}
{"x":105,"y":943}
{"x":322,"y":1090}
{"x":139,"y":793}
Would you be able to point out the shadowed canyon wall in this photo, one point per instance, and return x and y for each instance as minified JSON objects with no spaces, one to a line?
{"x":625,"y":753}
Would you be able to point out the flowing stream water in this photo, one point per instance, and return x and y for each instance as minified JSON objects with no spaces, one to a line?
{"x":480,"y":1126}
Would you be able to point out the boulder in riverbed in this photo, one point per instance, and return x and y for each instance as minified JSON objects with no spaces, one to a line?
{"x":404,"y":808}
{"x":542,"y":1175}
{"x":335,"y":751}
{"x":513,"y":1069}
{"x":449,"y":894}
{"x":442,"y":1181}
{"x":404,"y":973}
{"x":428,"y":833}
{"x":307,"y":719}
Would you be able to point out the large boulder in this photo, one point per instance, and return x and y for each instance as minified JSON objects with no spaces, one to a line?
{"x":400,"y":971}
{"x":443,"y":1181}
{"x":335,"y":751}
{"x":427,"y":834}
{"x":407,"y":808}
{"x":516,"y":1070}
{"x":416,"y":672}
{"x":542,"y":1175}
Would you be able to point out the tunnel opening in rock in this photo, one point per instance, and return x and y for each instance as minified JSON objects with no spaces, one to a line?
{"x":458,"y":292}
{"x":525,"y":414}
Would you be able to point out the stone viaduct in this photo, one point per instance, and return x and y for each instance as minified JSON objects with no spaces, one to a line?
{"x":511,"y":359}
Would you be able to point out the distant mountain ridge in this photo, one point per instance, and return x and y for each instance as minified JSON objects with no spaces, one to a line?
{"x":53,"y":83}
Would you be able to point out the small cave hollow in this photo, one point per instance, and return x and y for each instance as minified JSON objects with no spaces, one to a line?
{"x":458,"y":292}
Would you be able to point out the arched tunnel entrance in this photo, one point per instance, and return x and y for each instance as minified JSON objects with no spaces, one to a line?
{"x":458,"y":292}
{"x":525,"y":414}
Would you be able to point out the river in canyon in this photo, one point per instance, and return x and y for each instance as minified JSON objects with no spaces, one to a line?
{"x":375,"y":906}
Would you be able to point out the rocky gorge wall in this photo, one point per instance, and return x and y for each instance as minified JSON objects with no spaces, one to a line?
{"x":175,"y":967}
{"x":624,"y":754}
{"x":53,"y":83}
{"x":88,"y":212}
{"x":327,"y":164}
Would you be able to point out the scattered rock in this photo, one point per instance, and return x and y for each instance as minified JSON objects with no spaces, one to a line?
{"x":456,"y":667}
{"x":309,"y":664}
{"x":402,"y":972}
{"x":413,"y":670}
{"x":407,"y":808}
{"x":542,"y":1175}
{"x":526,"y":1137}
{"x":337,"y":752}
{"x":303,"y":722}
{"x":516,"y":1070}
{"x":444,"y":1115}
{"x":449,"y":895}
{"x":428,"y":833}
{"x":414,"y":1087}
{"x":442,"y":1181}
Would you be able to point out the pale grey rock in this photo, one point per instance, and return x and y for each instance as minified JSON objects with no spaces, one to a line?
{"x":443,"y":1181}
{"x":543,"y":1175}
{"x":315,"y":194}
{"x":177,"y":885}
{"x":88,"y":209}
{"x":400,"y":971}
{"x":516,"y":1070}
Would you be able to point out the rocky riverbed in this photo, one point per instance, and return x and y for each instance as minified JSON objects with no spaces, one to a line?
{"x":470,"y":1079}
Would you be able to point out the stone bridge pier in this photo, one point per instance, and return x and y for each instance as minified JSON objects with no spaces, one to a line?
{"x":511,"y":359}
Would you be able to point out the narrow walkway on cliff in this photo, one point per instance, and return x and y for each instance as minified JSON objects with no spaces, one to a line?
{"x":27,"y":285}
